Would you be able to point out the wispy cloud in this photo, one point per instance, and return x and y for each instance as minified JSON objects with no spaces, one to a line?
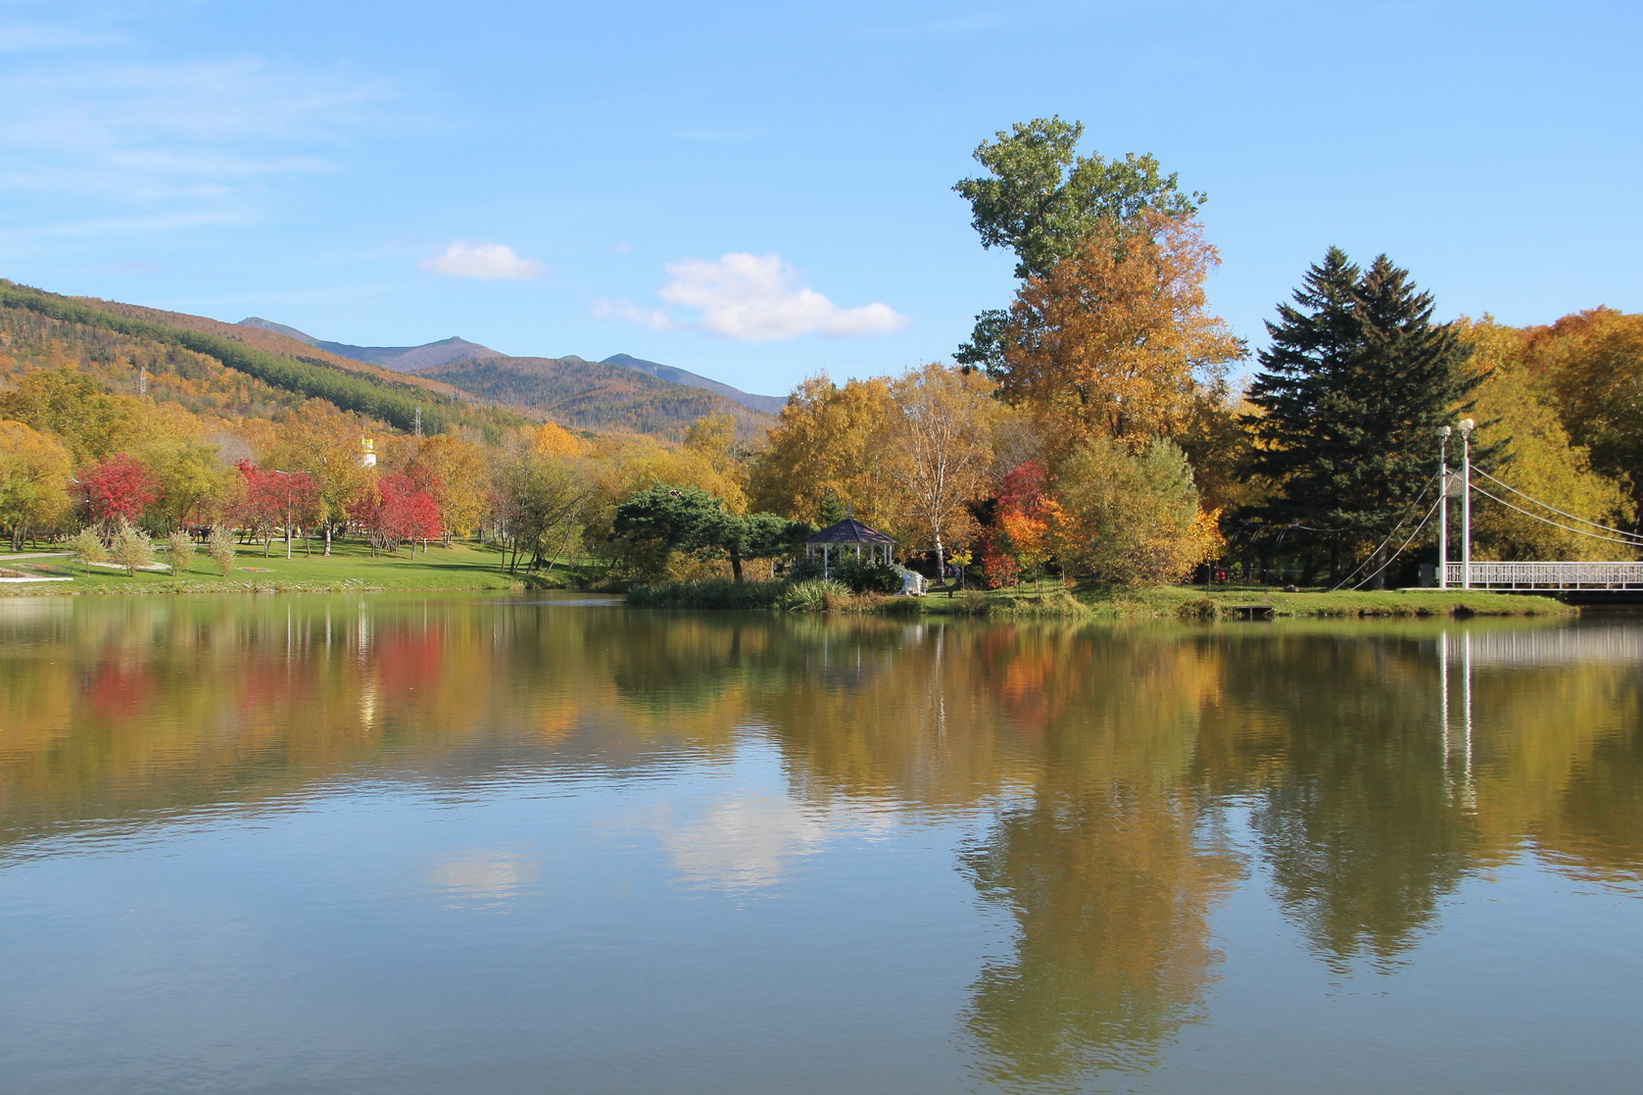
{"x":42,"y":37}
{"x":759,"y":298}
{"x":200,"y":139}
{"x":484,"y":261}
{"x":628,"y":312}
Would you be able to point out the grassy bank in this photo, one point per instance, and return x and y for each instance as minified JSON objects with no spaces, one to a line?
{"x":1163,"y":602}
{"x":1194,"y":602}
{"x":350,"y":567}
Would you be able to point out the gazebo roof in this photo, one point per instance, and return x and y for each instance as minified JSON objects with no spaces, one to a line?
{"x":849,"y":531}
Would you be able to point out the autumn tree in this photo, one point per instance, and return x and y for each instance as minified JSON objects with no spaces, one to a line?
{"x":1349,"y":397}
{"x":1030,"y":523}
{"x":276,"y":499}
{"x":130,"y":547}
{"x":34,"y":481}
{"x":118,"y":489}
{"x":394,"y":510}
{"x":1115,"y":341}
{"x":822,"y":449}
{"x":188,"y":476}
{"x":457,"y":473}
{"x":536,"y":500}
{"x":180,"y":546}
{"x":936,"y":450}
{"x":91,"y":422}
{"x":1133,"y":518}
{"x":1538,"y":460}
{"x":323,"y":443}
{"x":1593,"y":363}
{"x":1042,"y":200}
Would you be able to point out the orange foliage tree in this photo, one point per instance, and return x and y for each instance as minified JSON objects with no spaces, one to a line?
{"x":1115,"y":341}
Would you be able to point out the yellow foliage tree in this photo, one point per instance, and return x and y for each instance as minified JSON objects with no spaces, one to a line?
{"x":34,"y":481}
{"x":1539,"y":460}
{"x":823,"y":446}
{"x":936,"y":452}
{"x":1114,"y":341}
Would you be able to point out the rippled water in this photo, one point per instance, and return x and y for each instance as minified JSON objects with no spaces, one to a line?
{"x":375,"y":844}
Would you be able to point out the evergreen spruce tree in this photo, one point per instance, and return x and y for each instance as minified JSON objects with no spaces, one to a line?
{"x":1352,"y":390}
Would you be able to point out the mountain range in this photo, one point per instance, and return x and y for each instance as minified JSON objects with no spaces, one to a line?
{"x":430,"y":359}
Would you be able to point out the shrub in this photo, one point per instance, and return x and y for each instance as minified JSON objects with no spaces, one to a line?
{"x":87,"y":546}
{"x":130,"y":547}
{"x":221,"y":549}
{"x":709,"y":593}
{"x":866,"y":577}
{"x":181,"y":546}
{"x":813,"y":595}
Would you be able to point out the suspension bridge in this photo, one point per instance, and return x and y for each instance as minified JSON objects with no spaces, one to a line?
{"x":1585,"y":579}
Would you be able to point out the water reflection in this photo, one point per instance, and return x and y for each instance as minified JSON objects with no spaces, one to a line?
{"x":1367,"y":771}
{"x":482,"y":879}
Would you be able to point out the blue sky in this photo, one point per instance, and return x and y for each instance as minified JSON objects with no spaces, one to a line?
{"x":758,"y":191}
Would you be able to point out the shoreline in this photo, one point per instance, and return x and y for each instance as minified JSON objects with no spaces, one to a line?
{"x":464,"y":568}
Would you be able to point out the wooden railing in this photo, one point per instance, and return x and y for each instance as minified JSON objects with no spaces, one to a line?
{"x":1548,"y":576}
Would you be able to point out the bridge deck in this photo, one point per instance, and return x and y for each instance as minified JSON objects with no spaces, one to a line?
{"x":1548,"y":577}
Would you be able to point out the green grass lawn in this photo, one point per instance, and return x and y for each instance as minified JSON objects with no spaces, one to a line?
{"x":349,"y":567}
{"x":1221,"y":603}
{"x":466,"y":566}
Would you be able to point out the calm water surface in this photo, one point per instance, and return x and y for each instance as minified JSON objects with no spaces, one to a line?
{"x":332,"y":844}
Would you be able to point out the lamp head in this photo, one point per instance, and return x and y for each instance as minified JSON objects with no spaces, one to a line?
{"x":1444,"y":432}
{"x":1467,"y":425}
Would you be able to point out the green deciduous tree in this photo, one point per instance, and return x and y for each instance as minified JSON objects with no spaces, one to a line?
{"x":1041,"y":200}
{"x":536,"y":502}
{"x":1133,"y":518}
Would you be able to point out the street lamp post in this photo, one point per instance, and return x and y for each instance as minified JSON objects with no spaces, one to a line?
{"x":1467,"y":425}
{"x":1443,"y":506}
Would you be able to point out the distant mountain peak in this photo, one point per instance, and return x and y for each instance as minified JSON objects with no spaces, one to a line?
{"x":279,"y":329}
{"x":768,"y":404}
{"x":403,"y":359}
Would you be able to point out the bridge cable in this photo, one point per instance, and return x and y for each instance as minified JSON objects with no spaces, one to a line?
{"x":1549,"y":521}
{"x":1411,"y":539}
{"x":1634,"y":537}
{"x":1371,"y":556}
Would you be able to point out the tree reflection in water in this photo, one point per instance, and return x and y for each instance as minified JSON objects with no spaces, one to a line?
{"x":1094,"y":766}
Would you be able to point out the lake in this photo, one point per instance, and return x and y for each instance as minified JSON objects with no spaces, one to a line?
{"x":541,"y":843}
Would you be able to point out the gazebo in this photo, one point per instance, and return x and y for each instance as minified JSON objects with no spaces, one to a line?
{"x":847,"y":534}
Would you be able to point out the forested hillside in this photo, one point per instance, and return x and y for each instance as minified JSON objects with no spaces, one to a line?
{"x":595,"y":396}
{"x":215,"y":368}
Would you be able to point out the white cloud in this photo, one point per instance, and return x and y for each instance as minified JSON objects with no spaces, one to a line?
{"x":486,"y":261}
{"x":758,"y":298}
